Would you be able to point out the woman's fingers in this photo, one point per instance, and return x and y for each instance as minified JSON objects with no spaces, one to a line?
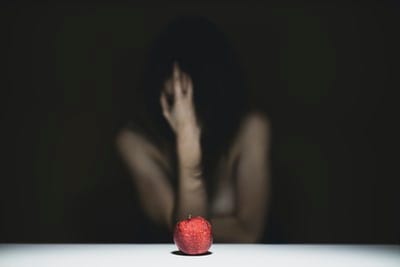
{"x":176,"y":77}
{"x":181,"y":82}
{"x":179,"y":110}
{"x":165,"y":106}
{"x":184,"y":81}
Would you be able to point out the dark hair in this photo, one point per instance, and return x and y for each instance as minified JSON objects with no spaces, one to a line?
{"x":220,"y":95}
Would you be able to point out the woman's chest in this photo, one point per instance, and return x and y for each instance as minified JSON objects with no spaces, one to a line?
{"x":223,"y":200}
{"x":223,"y":194}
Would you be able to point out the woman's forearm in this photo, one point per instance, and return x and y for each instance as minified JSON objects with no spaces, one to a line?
{"x":191,"y":195}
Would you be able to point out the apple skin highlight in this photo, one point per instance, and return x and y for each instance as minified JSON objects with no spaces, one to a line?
{"x":193,"y":236}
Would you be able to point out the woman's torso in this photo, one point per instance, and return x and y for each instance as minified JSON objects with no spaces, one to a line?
{"x":223,"y":192}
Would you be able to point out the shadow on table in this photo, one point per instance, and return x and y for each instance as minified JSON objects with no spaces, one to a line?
{"x":180,"y":253}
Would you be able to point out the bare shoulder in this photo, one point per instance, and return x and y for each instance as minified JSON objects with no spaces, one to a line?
{"x":130,"y":141}
{"x":126,"y":137}
{"x":255,"y":126}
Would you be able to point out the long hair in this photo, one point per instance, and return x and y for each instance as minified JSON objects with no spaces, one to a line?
{"x":219,"y":92}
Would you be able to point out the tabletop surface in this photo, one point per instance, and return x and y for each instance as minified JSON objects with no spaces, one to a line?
{"x":220,"y":254}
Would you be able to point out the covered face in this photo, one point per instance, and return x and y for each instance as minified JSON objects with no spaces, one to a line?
{"x":203,"y":53}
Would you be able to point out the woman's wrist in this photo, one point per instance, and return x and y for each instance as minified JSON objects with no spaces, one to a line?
{"x":188,"y":130}
{"x":188,"y":148}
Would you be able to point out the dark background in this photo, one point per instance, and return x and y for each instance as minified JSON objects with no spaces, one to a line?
{"x":326,"y":76}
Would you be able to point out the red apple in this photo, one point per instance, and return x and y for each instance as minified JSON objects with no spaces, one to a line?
{"x":193,"y":236}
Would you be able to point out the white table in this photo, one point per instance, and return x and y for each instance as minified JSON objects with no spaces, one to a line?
{"x":222,"y":255}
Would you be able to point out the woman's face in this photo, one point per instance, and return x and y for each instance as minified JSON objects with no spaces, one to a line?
{"x":185,"y":81}
{"x":168,"y":85}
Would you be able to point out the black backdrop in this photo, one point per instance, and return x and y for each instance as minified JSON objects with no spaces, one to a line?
{"x":326,"y":75}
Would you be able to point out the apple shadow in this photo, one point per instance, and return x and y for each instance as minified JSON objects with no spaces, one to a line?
{"x":180,"y":253}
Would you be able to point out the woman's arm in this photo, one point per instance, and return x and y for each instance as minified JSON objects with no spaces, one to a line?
{"x":149,"y":170}
{"x":252,"y":186}
{"x":149,"y":173}
{"x":191,"y":195}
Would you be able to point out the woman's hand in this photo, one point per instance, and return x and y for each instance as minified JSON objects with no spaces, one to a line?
{"x":191,"y":197}
{"x":180,"y":114}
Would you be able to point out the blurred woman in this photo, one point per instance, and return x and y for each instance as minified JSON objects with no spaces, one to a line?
{"x":198,"y":148}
